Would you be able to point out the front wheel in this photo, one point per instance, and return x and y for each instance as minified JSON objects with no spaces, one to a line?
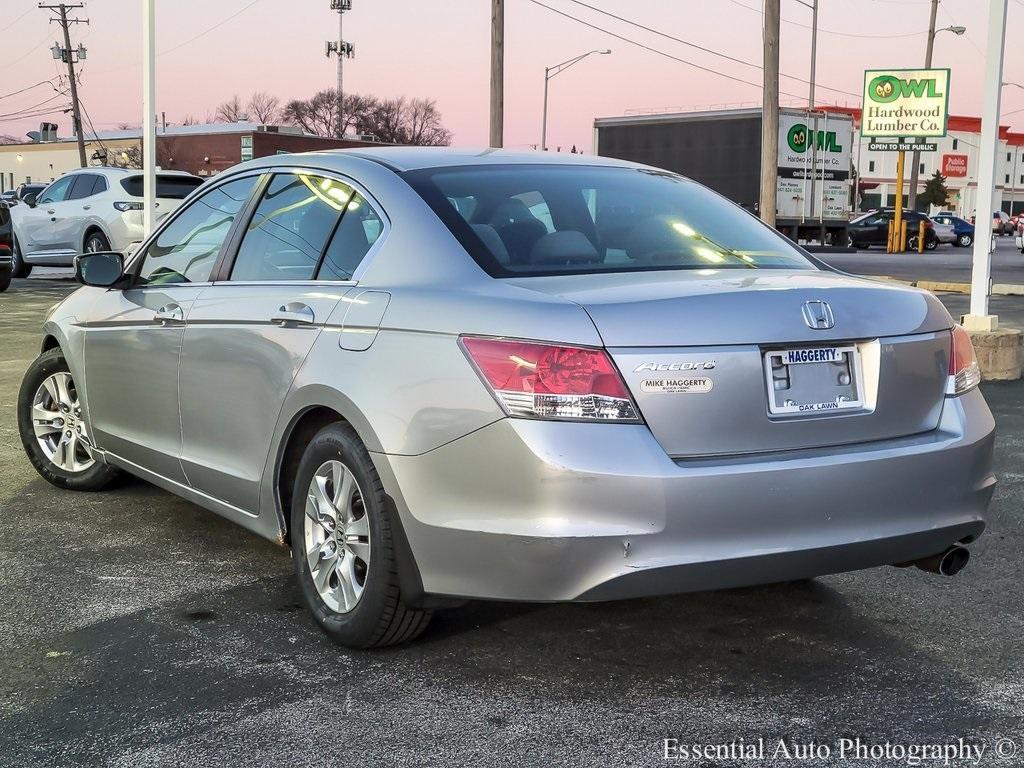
{"x":343,"y":545}
{"x":931,"y":245}
{"x":18,"y":266}
{"x":53,"y":430}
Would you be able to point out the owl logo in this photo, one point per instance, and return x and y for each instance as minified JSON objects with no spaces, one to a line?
{"x":884,"y":88}
{"x":797,"y":138}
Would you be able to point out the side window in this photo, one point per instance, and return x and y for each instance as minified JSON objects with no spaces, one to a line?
{"x":57,"y":191}
{"x":186,"y":250}
{"x":84,"y":185}
{"x":291,"y":225}
{"x":358,"y":230}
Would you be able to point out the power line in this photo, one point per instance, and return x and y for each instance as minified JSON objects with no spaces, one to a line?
{"x":208,"y":30}
{"x":28,"y":88}
{"x":656,"y":50}
{"x":835,"y":31}
{"x":26,"y":13}
{"x":35,"y":106}
{"x":702,"y":48}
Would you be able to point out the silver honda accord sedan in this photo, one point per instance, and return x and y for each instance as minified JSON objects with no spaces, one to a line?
{"x":440,"y":375}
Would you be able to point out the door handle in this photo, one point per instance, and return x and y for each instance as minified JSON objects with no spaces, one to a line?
{"x":170,"y":314}
{"x":86,"y":207}
{"x":294,"y":313}
{"x":50,"y":210}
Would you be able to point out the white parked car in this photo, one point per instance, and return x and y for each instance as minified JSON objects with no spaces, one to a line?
{"x":89,"y":210}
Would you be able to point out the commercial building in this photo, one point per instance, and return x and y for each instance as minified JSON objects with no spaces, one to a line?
{"x":204,"y":150}
{"x":956,"y":157}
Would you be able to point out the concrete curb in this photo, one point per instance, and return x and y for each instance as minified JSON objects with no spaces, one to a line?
{"x":938,"y":286}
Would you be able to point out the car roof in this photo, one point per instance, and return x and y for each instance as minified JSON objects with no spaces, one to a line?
{"x":414,"y":158}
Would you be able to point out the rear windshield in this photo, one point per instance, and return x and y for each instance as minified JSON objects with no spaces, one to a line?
{"x":167,"y":187}
{"x":561,"y":219}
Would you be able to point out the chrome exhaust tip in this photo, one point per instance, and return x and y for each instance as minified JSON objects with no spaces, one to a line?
{"x":948,"y":563}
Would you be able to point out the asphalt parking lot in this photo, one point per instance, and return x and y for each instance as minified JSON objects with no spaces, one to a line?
{"x":140,"y":630}
{"x":946,"y":263}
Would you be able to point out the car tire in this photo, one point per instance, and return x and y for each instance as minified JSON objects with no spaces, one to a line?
{"x":18,"y":266}
{"x":95,"y":242}
{"x":965,"y":240}
{"x":354,"y":594}
{"x":931,"y":244}
{"x":60,"y":454}
{"x":5,"y":282}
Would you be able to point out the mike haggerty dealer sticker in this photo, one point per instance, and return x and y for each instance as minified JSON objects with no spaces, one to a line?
{"x":681,"y":386}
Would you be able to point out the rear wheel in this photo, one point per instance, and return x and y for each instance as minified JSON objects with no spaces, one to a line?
{"x":343,"y":546}
{"x":18,"y":266}
{"x":965,"y":240}
{"x":53,"y":431}
{"x":930,"y":244}
{"x":95,"y":242}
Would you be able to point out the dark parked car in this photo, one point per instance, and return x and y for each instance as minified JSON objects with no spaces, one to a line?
{"x":962,"y":228}
{"x":13,"y":197}
{"x":872,"y":229}
{"x":6,"y":241}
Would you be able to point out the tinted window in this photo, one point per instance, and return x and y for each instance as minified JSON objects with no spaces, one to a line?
{"x":290,"y":228}
{"x":84,"y":186}
{"x":359,"y":229}
{"x":186,"y":250}
{"x":57,"y":191}
{"x":167,"y":187}
{"x":531,"y":220}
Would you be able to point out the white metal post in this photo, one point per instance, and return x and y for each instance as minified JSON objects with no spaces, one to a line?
{"x":979,"y":318}
{"x":148,"y":114}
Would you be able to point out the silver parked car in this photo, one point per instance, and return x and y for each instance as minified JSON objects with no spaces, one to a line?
{"x":442,"y":375}
{"x":89,"y":210}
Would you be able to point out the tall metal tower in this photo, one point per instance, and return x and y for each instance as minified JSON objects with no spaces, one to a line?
{"x":343,"y":51}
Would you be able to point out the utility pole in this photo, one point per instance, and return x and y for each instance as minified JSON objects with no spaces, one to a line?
{"x":69,"y":57}
{"x":497,"y":72}
{"x":916,"y":158}
{"x":770,"y":113}
{"x":343,"y":51}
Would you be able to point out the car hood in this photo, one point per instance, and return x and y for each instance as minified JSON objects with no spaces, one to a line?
{"x":710,"y":307}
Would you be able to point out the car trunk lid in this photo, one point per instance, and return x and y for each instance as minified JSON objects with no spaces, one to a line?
{"x":691,"y":346}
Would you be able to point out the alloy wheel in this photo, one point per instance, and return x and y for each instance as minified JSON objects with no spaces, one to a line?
{"x":94,"y":244}
{"x":337,"y":536}
{"x":57,"y":421}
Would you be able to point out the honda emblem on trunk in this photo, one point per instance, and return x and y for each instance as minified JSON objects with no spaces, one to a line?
{"x":818,"y":315}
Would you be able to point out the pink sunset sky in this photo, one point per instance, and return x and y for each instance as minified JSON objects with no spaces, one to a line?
{"x":212,"y":49}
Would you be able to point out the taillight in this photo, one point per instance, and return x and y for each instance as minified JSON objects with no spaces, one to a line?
{"x":964,"y":372}
{"x":551,"y":381}
{"x":127,"y":206}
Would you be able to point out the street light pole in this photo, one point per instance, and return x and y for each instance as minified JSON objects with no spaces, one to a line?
{"x":550,"y":72}
{"x":979,"y":319}
{"x":148,"y":115}
{"x":932,"y":32}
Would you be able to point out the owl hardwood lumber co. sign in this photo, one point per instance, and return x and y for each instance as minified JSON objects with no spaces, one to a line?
{"x":905,"y":103}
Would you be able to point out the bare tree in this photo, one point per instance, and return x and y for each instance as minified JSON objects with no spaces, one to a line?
{"x":5,"y":139}
{"x":231,"y":111}
{"x":408,"y":121}
{"x":264,"y":108}
{"x":125,"y":157}
{"x":189,"y":120}
{"x":395,"y":121}
{"x":127,"y":126}
{"x":316,"y":115}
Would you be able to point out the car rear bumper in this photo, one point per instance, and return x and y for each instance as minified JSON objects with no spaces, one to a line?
{"x":548,"y":511}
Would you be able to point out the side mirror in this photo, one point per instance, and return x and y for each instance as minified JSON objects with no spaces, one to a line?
{"x":29,"y":199}
{"x":102,"y":269}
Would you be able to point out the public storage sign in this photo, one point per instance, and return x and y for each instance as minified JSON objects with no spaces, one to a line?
{"x":905,"y":102}
{"x":954,"y":165}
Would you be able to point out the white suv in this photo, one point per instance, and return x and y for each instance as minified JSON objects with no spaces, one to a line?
{"x":88,"y":210}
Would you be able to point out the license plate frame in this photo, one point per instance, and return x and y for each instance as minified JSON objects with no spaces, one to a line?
{"x":814,"y":364}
